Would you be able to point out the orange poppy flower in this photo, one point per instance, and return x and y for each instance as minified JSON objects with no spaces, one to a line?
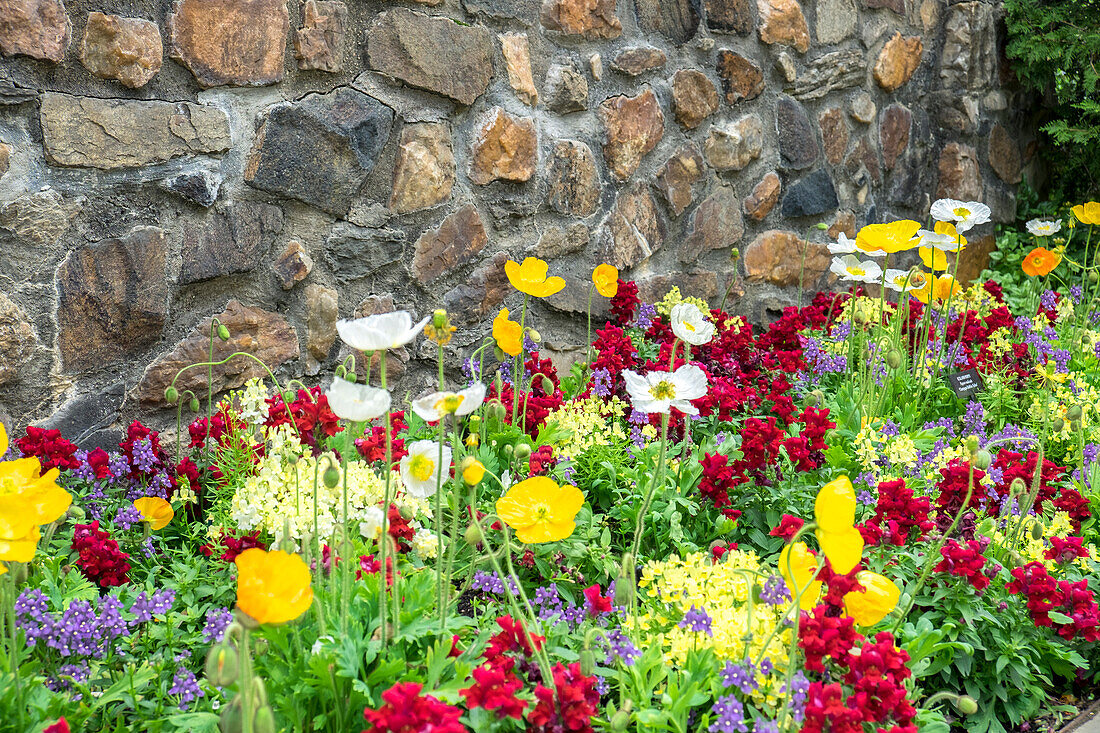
{"x":272,"y":587}
{"x":1040,"y":262}
{"x":508,"y":334}
{"x":606,"y":279}
{"x":530,"y":278}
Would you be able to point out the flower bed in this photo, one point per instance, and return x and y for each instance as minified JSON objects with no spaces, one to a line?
{"x":875,"y":514}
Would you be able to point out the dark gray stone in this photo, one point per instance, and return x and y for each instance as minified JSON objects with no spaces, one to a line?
{"x":675,"y":19}
{"x":525,"y":11}
{"x":566,"y":88}
{"x":812,"y":196}
{"x":84,"y":418}
{"x":798,"y":147}
{"x":729,"y":16}
{"x":233,"y":239}
{"x":355,"y":252}
{"x":200,"y":185}
{"x":12,"y":93}
{"x":320,"y":149}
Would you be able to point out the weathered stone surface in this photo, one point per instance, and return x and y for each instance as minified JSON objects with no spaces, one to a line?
{"x":694,"y":97}
{"x":525,"y":11}
{"x":862,"y":108}
{"x":812,"y":196}
{"x":786,"y":66}
{"x":729,"y":16}
{"x":453,"y":244}
{"x":265,"y":335}
{"x":777,"y":256}
{"x":638,"y":60}
{"x":834,"y":134}
{"x":322,"y":310}
{"x":481,"y":293}
{"x":112,"y":299}
{"x":843,"y":223}
{"x":969,"y":57}
{"x":199,"y":185}
{"x":1004,"y":155}
{"x":233,"y":239}
{"x":678,"y":175}
{"x":319,"y":43}
{"x":634,"y":126}
{"x":433,"y":53}
{"x":798,"y":147}
{"x":960,"y":173}
{"x":41,"y":217}
{"x":830,"y":72}
{"x":123,"y":133}
{"x":126,"y":49}
{"x":574,"y":181}
{"x":240,"y":43}
{"x":5,"y":158}
{"x":517,"y":60}
{"x":566,"y":88}
{"x":763,"y":198}
{"x":675,"y":19}
{"x":700,"y":283}
{"x":836,"y":20}
{"x":505,"y":149}
{"x":893,"y":133}
{"x":741,"y":78}
{"x":898,"y":60}
{"x":975,"y":257}
{"x":17,"y":340}
{"x":12,"y":93}
{"x":715,"y":224}
{"x":319,"y":149}
{"x":37,"y":28}
{"x":557,"y":242}
{"x":588,"y":18}
{"x":733,"y":145}
{"x":293,"y":265}
{"x":782,"y":22}
{"x":953,"y":113}
{"x":424,"y":170}
{"x":595,"y":65}
{"x":898,"y":6}
{"x":354,"y":252}
{"x":863,"y":163}
{"x":634,"y":229}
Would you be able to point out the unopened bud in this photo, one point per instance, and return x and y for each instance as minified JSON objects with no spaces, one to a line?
{"x":509,"y":450}
{"x":171,"y":395}
{"x":341,"y":371}
{"x":966,"y":705}
{"x":264,"y":721}
{"x":194,"y":405}
{"x":472,"y":469}
{"x":588,"y":662}
{"x":223,"y":332}
{"x":351,"y":377}
{"x":75,"y":513}
{"x":496,"y":410}
{"x":522,"y":451}
{"x":221,"y":665}
{"x":534,"y":335}
{"x":1017,"y":487}
{"x":972,"y":443}
{"x":620,"y":721}
{"x":1074,"y":412}
{"x":406,"y":511}
{"x":548,"y":386}
{"x":893,"y":359}
{"x":1036,"y":531}
{"x":1058,"y":425}
{"x":331,"y":477}
{"x":232,"y":719}
{"x":982,"y":459}
{"x":473,"y":535}
{"x":1093,"y":277}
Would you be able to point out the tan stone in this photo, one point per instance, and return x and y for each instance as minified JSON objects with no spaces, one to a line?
{"x":638,"y":60}
{"x":898,"y":61}
{"x":782,"y":22}
{"x":783,"y":258}
{"x":697,"y":283}
{"x":732,"y":146}
{"x":126,"y":49}
{"x":929,"y":15}
{"x":37,"y":28}
{"x":975,"y":258}
{"x":438,"y":251}
{"x":678,"y":175}
{"x":506,"y":149}
{"x":5,"y":158}
{"x":319,"y":43}
{"x":424,"y":170}
{"x":265,"y":335}
{"x":17,"y":340}
{"x":1004,"y":155}
{"x":862,"y":108}
{"x":741,"y":78}
{"x":42,"y":217}
{"x":834,"y":134}
{"x":480,"y":294}
{"x":517,"y":59}
{"x":844,"y":223}
{"x":764,"y":197}
{"x":960,"y":173}
{"x":715,"y":224}
{"x":557,"y":242}
{"x":634,"y":229}
{"x":240,"y":43}
{"x":293,"y":265}
{"x":322,"y":310}
{"x":588,"y":18}
{"x":894,"y":133}
{"x":694,"y":97}
{"x":574,"y":182}
{"x":634,"y":126}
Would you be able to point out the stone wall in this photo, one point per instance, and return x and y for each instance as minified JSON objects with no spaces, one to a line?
{"x":283,"y":163}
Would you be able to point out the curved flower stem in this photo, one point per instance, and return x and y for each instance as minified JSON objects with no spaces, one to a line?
{"x":244,"y":688}
{"x":384,"y":543}
{"x":455,"y":505}
{"x":658,"y":477}
{"x":440,"y":570}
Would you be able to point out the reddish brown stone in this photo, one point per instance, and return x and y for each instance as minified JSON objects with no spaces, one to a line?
{"x":293,"y":265}
{"x":1004,"y":155}
{"x":894,"y":133}
{"x":782,"y":22}
{"x":588,"y":18}
{"x":694,"y":97}
{"x":741,"y":78}
{"x":5,"y":158}
{"x":634,"y":126}
{"x":783,"y":258}
{"x":844,"y":223}
{"x":634,"y":228}
{"x":715,"y":224}
{"x":677,"y":176}
{"x":863,"y":158}
{"x":424,"y":170}
{"x":728,"y":16}
{"x":764,"y":197}
{"x":319,"y":43}
{"x":506,"y":149}
{"x":517,"y":59}
{"x":960,"y":174}
{"x":37,"y":28}
{"x":454,"y":243}
{"x":834,"y":134}
{"x":573,"y":179}
{"x":639,"y":60}
{"x":126,"y":49}
{"x":482,"y":293}
{"x":975,"y":258}
{"x":240,"y":43}
{"x":898,"y":60}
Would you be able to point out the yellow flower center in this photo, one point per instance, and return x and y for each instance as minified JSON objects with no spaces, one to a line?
{"x":856,"y":271}
{"x":450,"y":403}
{"x":688,"y":326}
{"x":421,"y":467}
{"x":542,"y":512}
{"x":961,"y":212}
{"x":663,"y":390}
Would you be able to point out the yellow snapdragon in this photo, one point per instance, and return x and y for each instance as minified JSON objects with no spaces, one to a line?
{"x":673,"y":297}
{"x":591,"y":422}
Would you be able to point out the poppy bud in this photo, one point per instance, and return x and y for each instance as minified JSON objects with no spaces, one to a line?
{"x":534,"y":335}
{"x":264,"y":720}
{"x":473,"y":535}
{"x":232,"y":719}
{"x":75,"y":513}
{"x":1036,"y":531}
{"x":1093,"y":277}
{"x":509,"y":450}
{"x":194,"y":405}
{"x":1017,"y":487}
{"x":966,"y":704}
{"x":221,"y":665}
{"x":893,"y":359}
{"x":331,"y":477}
{"x":624,"y":591}
{"x":522,"y":451}
{"x":496,"y":410}
{"x":171,"y":395}
{"x":1074,"y":412}
{"x":223,"y":332}
{"x":588,"y":662}
{"x":351,"y":377}
{"x":548,"y":386}
{"x":620,"y":721}
{"x":20,"y":571}
{"x":1058,"y":424}
{"x":982,"y":459}
{"x":407,"y":512}
{"x":972,"y":443}
{"x":1075,"y":425}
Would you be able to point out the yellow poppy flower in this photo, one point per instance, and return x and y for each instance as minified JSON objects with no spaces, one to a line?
{"x":540,"y":510}
{"x":3,"y":569}
{"x":473,"y":471}
{"x":1088,"y":213}
{"x":19,"y":549}
{"x":272,"y":587}
{"x":27,"y":500}
{"x":803,"y":568}
{"x":508,"y":334}
{"x":154,"y":510}
{"x":835,"y":515}
{"x":897,"y":236}
{"x":940,"y":289}
{"x":843,"y":549}
{"x":948,"y":228}
{"x":530,"y":277}
{"x":933,"y":259}
{"x":606,"y":279}
{"x":879,"y":598}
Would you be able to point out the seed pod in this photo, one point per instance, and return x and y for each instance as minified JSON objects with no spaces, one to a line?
{"x":221,"y":665}
{"x":171,"y":395}
{"x":223,"y":332}
{"x":439,"y":318}
{"x":331,"y":477}
{"x":473,"y":535}
{"x":1074,"y":412}
{"x":194,"y":405}
{"x":523,"y":451}
{"x":982,"y":459}
{"x":893,"y":359}
{"x":966,"y":704}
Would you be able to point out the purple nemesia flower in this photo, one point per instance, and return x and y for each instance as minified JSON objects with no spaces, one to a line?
{"x":119,"y":466}
{"x":493,"y":583}
{"x":775,"y":591}
{"x":765,"y":726}
{"x":1075,"y":293}
{"x":145,"y":607}
{"x":619,"y":647}
{"x":740,"y":676}
{"x":973,"y":422}
{"x":1061,"y":359}
{"x":697,"y":620}
{"x":126,"y":517}
{"x":800,"y":688}
{"x":548,"y":601}
{"x":766,"y":666}
{"x":729,"y":715}
{"x":144,"y":458}
{"x":602,"y":686}
{"x":644,"y":319}
{"x":217,"y":621}
{"x":601,"y":382}
{"x":186,"y":686}
{"x":1048,"y":300}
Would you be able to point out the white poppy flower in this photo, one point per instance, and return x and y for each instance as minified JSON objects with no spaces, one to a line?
{"x":902,"y":281}
{"x":379,"y":332}
{"x":371,"y":525}
{"x":942,"y":242}
{"x":434,"y":406}
{"x":965,"y":214}
{"x":422,"y":471}
{"x":660,"y":391}
{"x":690,"y":324}
{"x":850,"y":267}
{"x":1041,"y":228}
{"x":842,"y":246}
{"x":357,"y":402}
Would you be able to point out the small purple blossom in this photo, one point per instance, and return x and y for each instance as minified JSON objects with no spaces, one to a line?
{"x":697,"y":620}
{"x":126,"y":517}
{"x":729,"y":715}
{"x":619,"y":647}
{"x":740,"y":676}
{"x":775,"y":592}
{"x":217,"y":621}
{"x":186,"y":686}
{"x":145,"y":607}
{"x":644,"y":319}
